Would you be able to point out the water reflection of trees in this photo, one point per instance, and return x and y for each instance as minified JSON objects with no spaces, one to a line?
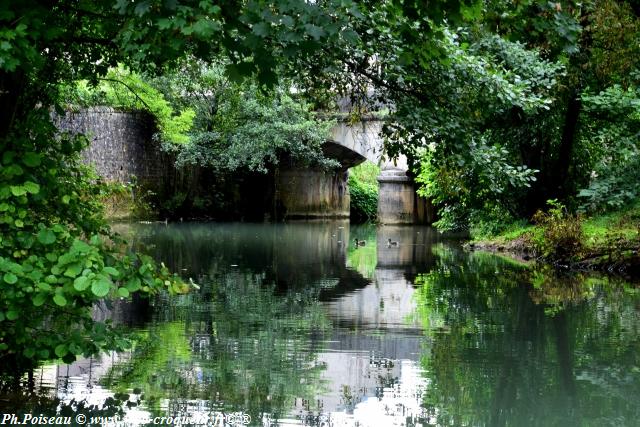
{"x":514,"y":347}
{"x":38,"y":403}
{"x":237,"y":346}
{"x":363,"y":259}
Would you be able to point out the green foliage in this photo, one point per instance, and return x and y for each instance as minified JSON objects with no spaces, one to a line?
{"x":363,"y":190}
{"x":561,"y":237}
{"x":470,"y":160}
{"x":612,"y":135}
{"x":502,"y":86}
{"x":92,"y":37}
{"x":474,"y":190}
{"x":238,"y":126}
{"x":483,"y":94}
{"x":124,"y":90}
{"x":625,"y":222}
{"x":493,"y":221}
{"x":57,"y":255}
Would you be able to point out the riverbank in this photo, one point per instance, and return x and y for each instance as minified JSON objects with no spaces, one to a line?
{"x":606,"y":242}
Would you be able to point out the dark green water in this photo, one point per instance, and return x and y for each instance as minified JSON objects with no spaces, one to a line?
{"x":295,"y":326}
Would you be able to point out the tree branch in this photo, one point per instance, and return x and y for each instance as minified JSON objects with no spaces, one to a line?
{"x":380,"y":82}
{"x":93,"y":40}
{"x":129,"y":88}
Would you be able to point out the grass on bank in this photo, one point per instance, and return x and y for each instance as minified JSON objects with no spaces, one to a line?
{"x":611,"y":238}
{"x":596,"y":228}
{"x":600,"y":228}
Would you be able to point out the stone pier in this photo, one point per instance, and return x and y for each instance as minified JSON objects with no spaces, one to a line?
{"x":312,"y":193}
{"x":398,"y":202}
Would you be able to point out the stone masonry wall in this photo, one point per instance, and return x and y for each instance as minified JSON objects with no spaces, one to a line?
{"x":121,"y":146}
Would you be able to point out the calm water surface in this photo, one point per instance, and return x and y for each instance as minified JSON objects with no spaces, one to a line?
{"x":294,"y":325}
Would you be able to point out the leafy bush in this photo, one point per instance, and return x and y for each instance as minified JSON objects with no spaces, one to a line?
{"x":256,"y":133}
{"x":363,"y":188}
{"x":58,"y":256}
{"x":561,"y":238}
{"x":492,"y":221}
{"x":474,"y":189}
{"x":612,"y":135}
{"x":239,"y":125}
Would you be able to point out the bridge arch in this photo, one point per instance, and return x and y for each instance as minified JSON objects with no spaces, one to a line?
{"x":398,"y":202}
{"x":317,"y":193}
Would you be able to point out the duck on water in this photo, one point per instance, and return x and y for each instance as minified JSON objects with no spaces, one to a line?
{"x":360,"y":242}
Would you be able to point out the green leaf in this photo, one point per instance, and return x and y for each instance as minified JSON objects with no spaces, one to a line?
{"x":81,"y":283}
{"x":60,"y":300}
{"x":75,"y":349}
{"x":12,"y":315}
{"x":80,"y":246}
{"x":17,"y":190}
{"x":31,"y":159}
{"x":205,"y":27}
{"x":314,"y":31}
{"x":19,"y":223}
{"x":61,"y":350}
{"x":46,"y":236}
{"x":111,"y":271}
{"x":73,"y":270}
{"x":101,"y":287}
{"x":39,"y":299}
{"x":123,"y":292}
{"x":44,"y":286}
{"x":133,"y":284}
{"x":261,"y":29}
{"x":31,"y":187}
{"x":164,"y":23}
{"x":10,"y":278}
{"x":8,"y":156}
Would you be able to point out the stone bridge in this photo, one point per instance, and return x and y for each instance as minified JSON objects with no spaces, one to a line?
{"x":122,"y":147}
{"x":314,"y":193}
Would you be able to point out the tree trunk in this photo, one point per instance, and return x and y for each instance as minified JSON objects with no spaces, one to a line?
{"x":11,"y":86}
{"x":565,"y":151}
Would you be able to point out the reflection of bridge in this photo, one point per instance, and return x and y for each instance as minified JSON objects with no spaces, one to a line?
{"x":369,"y":360}
{"x":316,"y":193}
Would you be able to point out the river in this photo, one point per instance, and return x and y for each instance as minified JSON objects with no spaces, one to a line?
{"x":295,"y":325}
